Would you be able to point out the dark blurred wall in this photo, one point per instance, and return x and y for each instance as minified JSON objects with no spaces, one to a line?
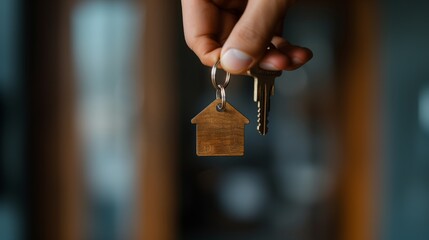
{"x":12,"y":121}
{"x":404,"y":47}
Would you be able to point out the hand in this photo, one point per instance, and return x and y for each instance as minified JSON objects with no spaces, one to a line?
{"x":240,"y":31}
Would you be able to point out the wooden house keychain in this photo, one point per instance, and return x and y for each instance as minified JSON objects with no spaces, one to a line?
{"x":220,"y":127}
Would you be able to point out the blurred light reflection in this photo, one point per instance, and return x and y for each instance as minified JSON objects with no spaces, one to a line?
{"x":243,"y":194}
{"x":105,"y":38}
{"x":424,"y":108}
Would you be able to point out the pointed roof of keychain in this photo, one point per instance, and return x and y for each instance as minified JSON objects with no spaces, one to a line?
{"x":220,"y":133}
{"x":211,"y":114}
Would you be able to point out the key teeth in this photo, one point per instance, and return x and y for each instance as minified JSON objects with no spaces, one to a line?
{"x":259,"y":127}
{"x":261,"y":131}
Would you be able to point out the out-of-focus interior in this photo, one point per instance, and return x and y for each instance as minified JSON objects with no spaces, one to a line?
{"x":96,"y":139}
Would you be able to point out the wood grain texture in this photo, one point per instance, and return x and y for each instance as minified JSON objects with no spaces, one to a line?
{"x":220,"y":133}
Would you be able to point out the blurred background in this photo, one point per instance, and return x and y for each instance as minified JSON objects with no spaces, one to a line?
{"x":96,"y":140}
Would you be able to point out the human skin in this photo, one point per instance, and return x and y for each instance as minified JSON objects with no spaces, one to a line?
{"x":238,"y":33}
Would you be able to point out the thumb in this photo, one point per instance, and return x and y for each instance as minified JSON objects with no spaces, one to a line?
{"x":252,"y":34}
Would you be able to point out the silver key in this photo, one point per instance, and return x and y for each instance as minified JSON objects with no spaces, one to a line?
{"x":263,"y":90}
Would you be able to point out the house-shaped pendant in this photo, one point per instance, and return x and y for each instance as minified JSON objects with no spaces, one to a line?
{"x":220,"y":133}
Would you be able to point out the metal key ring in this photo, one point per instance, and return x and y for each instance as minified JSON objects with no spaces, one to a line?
{"x":220,"y":93}
{"x":213,"y":75}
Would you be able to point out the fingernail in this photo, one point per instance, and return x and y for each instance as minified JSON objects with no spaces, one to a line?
{"x":235,"y":61}
{"x":268,"y":66}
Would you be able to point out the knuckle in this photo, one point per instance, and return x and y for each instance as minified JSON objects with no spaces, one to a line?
{"x":250,"y":35}
{"x":206,"y":61}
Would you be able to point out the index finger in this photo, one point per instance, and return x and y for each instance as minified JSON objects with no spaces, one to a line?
{"x":201,"y":29}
